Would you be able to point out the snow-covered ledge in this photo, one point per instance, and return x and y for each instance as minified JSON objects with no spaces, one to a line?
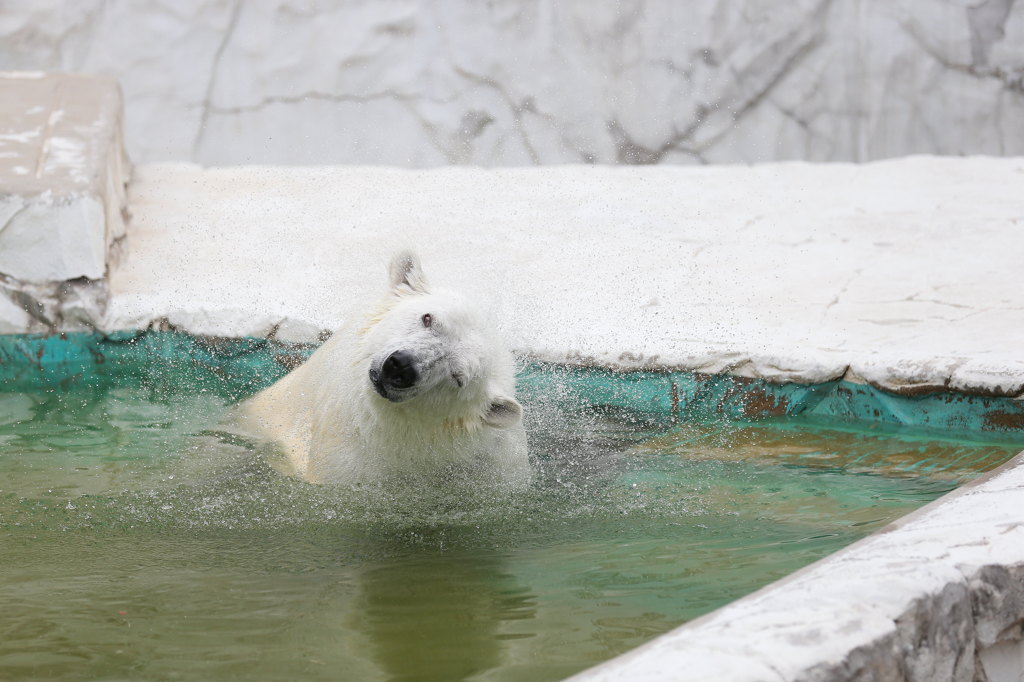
{"x":902,"y":274}
{"x":63,"y":173}
{"x":938,"y":595}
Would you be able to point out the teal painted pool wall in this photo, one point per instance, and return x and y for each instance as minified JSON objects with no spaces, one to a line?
{"x":691,"y":396}
{"x":236,"y":368}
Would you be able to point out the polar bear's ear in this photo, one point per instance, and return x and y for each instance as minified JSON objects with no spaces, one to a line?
{"x":406,"y":273}
{"x":503,"y":412}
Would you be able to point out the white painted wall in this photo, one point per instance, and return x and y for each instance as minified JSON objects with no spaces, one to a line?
{"x":518,"y":82}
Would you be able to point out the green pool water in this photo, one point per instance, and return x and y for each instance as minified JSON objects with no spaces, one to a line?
{"x":139,"y":541}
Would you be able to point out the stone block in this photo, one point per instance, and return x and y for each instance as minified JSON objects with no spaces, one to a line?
{"x":63,"y":173}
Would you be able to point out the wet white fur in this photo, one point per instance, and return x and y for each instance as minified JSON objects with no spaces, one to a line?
{"x":334,"y":427}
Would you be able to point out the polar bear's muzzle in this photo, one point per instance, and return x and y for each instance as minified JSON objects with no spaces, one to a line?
{"x":396,"y":375}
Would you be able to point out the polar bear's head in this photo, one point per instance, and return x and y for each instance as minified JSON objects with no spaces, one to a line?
{"x":433,"y":350}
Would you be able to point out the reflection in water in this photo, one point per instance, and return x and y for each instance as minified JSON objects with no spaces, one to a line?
{"x":437,"y":616}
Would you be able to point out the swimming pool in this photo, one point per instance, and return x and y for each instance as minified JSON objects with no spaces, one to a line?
{"x":144,"y":541}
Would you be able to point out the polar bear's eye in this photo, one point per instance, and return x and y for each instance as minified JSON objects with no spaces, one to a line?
{"x":427,"y":319}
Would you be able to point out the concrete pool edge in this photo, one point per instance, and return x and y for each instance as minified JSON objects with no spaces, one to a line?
{"x":936,"y":595}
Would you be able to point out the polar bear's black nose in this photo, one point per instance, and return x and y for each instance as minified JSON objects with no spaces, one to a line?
{"x":398,"y":370}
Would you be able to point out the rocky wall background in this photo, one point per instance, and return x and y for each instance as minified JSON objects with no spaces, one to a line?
{"x":521,"y":82}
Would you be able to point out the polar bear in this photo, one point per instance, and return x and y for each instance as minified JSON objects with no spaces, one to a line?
{"x":423,"y":387}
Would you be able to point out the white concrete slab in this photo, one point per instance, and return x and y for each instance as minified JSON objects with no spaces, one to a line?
{"x":62,"y":192}
{"x":62,"y":175}
{"x":901,"y":273}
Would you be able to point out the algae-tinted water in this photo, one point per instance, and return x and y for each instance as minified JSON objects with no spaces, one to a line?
{"x":138,"y":542}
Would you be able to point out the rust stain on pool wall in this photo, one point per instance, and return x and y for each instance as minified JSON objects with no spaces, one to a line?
{"x":1000,"y":420}
{"x":759,"y":403}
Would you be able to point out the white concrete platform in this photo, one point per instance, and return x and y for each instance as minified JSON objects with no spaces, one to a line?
{"x":63,"y":173}
{"x":903,"y":273}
